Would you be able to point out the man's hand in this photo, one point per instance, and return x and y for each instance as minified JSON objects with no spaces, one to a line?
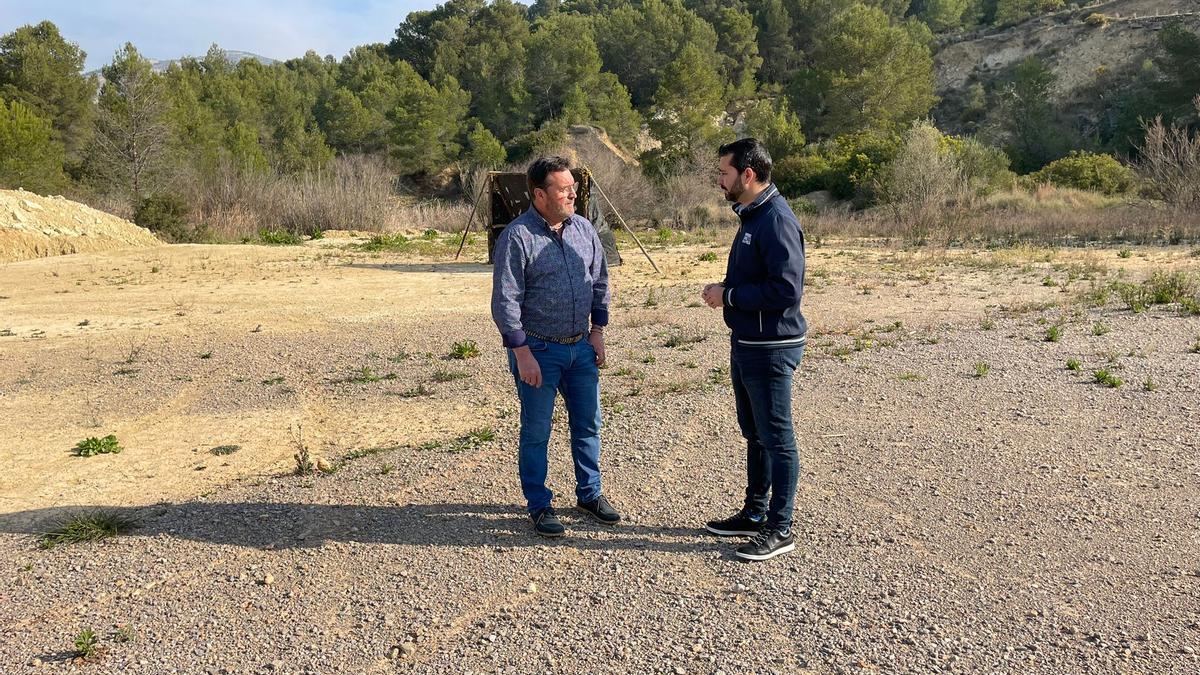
{"x":596,"y":340}
{"x":527,"y":366}
{"x":714,"y":296}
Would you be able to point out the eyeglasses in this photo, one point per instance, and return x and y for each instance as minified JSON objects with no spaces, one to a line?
{"x":562,"y":191}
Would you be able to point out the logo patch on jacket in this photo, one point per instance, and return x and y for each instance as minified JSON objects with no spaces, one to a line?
{"x":746,"y":239}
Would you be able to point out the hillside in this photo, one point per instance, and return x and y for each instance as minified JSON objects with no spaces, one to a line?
{"x":1077,"y":51}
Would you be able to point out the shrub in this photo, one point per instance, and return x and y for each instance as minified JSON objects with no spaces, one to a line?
{"x":922,"y":182}
{"x":279,"y":237}
{"x":801,"y":206}
{"x":1097,"y":19}
{"x":1087,"y":171}
{"x":848,"y":166}
{"x":166,"y":215}
{"x":801,"y":174}
{"x":985,"y":169}
{"x":546,"y":140}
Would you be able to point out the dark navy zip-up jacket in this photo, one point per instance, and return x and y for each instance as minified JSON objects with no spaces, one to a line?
{"x":764,"y":280}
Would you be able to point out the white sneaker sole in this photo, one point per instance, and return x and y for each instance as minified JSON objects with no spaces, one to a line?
{"x":730,"y":533}
{"x":759,"y":558}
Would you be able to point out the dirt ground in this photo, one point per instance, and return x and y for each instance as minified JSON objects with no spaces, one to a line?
{"x":1020,"y":520}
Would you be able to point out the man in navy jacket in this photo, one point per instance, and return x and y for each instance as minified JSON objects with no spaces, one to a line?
{"x":761,"y":293}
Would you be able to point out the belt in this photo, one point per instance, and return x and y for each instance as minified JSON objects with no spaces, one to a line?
{"x":556,"y":340}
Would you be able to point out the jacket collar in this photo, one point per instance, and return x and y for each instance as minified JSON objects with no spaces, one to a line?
{"x":768,"y":192}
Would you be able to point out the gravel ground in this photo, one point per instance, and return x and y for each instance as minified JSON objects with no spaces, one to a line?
{"x":1026,"y":520}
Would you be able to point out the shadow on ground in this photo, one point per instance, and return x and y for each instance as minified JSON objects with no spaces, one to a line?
{"x":269,"y":525}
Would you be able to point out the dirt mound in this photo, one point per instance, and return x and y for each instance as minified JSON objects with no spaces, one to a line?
{"x":592,"y":144}
{"x":32,"y":226}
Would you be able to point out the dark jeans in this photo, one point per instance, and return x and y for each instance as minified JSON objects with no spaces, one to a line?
{"x":762,"y":391}
{"x":569,"y":370}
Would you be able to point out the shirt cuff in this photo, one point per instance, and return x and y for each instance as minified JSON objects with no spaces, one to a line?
{"x":728,"y":297}
{"x":600,"y":316}
{"x":514,"y":338}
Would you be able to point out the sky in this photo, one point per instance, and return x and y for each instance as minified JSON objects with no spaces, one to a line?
{"x":169,"y":29}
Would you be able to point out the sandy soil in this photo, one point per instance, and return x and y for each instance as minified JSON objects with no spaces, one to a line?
{"x":180,"y":349}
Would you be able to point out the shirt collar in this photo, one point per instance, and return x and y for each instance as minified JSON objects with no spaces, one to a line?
{"x":767,"y":193}
{"x":537,"y":218}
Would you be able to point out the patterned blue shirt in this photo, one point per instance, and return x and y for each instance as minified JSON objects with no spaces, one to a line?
{"x":547,"y":284}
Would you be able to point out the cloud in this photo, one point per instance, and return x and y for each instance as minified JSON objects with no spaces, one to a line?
{"x":172,"y":28}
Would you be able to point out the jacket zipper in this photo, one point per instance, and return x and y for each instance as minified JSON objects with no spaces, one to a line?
{"x":760,"y":328}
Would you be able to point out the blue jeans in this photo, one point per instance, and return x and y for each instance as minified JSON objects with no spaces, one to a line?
{"x":762,"y":392}
{"x":569,"y":370}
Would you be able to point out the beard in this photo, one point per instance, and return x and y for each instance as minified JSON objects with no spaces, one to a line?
{"x":734,"y":192}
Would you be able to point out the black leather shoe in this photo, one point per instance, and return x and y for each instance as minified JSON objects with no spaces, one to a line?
{"x":547,"y":524}
{"x":600,"y":509}
{"x":766,"y":545}
{"x":741,"y":524}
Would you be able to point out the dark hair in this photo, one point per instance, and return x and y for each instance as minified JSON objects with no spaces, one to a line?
{"x":543,"y":167}
{"x":751,"y":153}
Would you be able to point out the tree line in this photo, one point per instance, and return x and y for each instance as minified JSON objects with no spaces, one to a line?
{"x":830,"y":85}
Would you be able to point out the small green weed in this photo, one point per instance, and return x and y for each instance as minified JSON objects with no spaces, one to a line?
{"x":225,"y":449}
{"x":679,"y":339}
{"x":86,"y":643}
{"x":472,"y":440}
{"x":448,"y":375}
{"x":1054,"y":333}
{"x":1149,"y":385}
{"x":981,"y":369}
{"x":388,"y":241}
{"x":1108,"y":379}
{"x":719,"y":375}
{"x":279,"y":238}
{"x":911,"y":377}
{"x":708,"y":256}
{"x":1125,"y":253}
{"x":417,"y":391}
{"x":1074,"y":364}
{"x":124,"y":633}
{"x":1100,"y":328}
{"x":367,"y":375}
{"x":92,"y":446}
{"x":81,"y":527}
{"x":467,"y":349}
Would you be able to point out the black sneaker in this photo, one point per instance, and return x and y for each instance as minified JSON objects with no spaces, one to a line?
{"x":546,"y":523}
{"x":766,"y":545}
{"x":600,"y":509}
{"x":743,"y":524}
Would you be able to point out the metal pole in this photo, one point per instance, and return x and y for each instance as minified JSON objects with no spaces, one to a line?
{"x":625,"y":225}
{"x":470,"y":221}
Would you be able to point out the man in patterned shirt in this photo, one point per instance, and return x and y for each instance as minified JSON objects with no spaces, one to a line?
{"x":550,"y":281}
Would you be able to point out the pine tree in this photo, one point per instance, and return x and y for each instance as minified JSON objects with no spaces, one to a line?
{"x":30,"y":158}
